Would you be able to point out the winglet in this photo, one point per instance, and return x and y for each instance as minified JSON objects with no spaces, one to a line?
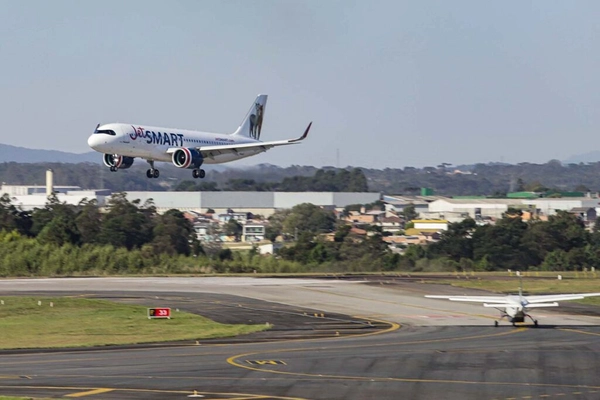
{"x":304,"y":135}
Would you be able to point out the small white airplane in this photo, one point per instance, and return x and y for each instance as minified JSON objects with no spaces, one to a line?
{"x":514,"y":307}
{"x":121,"y":143}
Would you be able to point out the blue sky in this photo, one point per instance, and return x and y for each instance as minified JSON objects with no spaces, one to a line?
{"x":388,"y":84}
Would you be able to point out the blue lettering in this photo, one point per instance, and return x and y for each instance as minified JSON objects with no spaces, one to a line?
{"x":156,"y":139}
{"x":148,"y":137}
{"x":180,"y":139}
{"x":173,"y":139}
{"x":166,"y":139}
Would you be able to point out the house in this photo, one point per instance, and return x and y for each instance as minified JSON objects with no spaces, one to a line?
{"x":390,"y":224}
{"x":587,"y":214}
{"x":206,"y":231}
{"x":253,"y":231}
{"x":269,"y":248}
{"x":240,"y":217}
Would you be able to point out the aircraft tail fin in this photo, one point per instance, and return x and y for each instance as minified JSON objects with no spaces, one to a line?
{"x":520,"y":286}
{"x":252,"y":123}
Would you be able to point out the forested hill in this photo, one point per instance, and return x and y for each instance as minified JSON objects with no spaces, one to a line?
{"x":479,"y":179}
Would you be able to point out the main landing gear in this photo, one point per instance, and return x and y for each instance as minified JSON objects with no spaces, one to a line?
{"x":113,"y":169}
{"x":199,"y":173}
{"x":152,"y":172}
{"x":535,"y":321}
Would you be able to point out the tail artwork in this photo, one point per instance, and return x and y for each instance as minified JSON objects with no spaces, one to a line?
{"x":252,"y":123}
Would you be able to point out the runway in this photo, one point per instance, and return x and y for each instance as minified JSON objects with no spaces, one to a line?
{"x":428,"y":349}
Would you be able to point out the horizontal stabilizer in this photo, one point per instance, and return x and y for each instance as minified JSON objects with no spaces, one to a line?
{"x":536,"y":305}
{"x":475,"y":299}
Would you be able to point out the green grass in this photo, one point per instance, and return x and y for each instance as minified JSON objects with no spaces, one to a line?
{"x":75,"y":322}
{"x":530,"y":286}
{"x":19,"y":398}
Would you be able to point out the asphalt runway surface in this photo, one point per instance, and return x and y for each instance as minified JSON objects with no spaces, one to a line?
{"x":332,"y":339}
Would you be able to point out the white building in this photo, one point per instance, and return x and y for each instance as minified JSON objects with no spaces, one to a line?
{"x":549,"y":206}
{"x":253,"y":231}
{"x":475,"y":208}
{"x":257,"y":203}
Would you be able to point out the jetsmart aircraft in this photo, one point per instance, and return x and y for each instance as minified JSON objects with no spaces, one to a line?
{"x":121,"y":143}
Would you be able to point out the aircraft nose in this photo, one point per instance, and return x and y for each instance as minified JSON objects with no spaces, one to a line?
{"x":92,"y":142}
{"x":95,"y":141}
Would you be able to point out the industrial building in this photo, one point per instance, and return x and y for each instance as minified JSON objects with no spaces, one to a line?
{"x":29,"y":197}
{"x":257,"y":203}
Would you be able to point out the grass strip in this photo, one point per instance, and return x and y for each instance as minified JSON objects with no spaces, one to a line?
{"x":19,"y":398}
{"x":77,"y":322}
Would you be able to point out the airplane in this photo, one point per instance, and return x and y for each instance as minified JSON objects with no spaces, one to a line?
{"x":121,"y":143}
{"x":514,"y":307}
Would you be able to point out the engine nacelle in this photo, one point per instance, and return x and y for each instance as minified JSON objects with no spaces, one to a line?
{"x":117,"y":161}
{"x":187,"y":158}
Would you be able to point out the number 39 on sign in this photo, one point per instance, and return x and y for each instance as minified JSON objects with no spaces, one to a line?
{"x":159,"y":313}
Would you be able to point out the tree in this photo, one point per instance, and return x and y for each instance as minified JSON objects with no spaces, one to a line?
{"x":126,"y":224}
{"x":409,"y":212}
{"x":309,"y":218}
{"x":88,"y":221}
{"x":502,"y":244}
{"x":275,"y":227}
{"x":456,"y":242}
{"x":12,"y":217}
{"x":56,"y":223}
{"x":173,"y":234}
{"x":60,"y":231}
{"x":233,"y":228}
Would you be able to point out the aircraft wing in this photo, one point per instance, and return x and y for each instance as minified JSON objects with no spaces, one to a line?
{"x":213,"y":150}
{"x":496,"y":300}
{"x":558,"y":297}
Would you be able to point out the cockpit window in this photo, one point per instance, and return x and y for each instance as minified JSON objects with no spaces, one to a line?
{"x":106,"y":131}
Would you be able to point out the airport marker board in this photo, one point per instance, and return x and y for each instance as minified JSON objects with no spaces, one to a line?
{"x":159,"y":313}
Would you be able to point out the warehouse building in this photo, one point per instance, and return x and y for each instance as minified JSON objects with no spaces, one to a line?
{"x":258,"y":203}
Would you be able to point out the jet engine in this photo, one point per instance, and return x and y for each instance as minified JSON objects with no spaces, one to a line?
{"x":187,"y":158}
{"x":115,"y":161}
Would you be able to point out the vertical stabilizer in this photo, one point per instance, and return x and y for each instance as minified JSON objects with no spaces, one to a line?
{"x":252,"y":123}
{"x":520,"y":287}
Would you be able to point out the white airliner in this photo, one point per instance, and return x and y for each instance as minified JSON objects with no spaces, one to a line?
{"x":514,"y":307}
{"x":121,"y":143}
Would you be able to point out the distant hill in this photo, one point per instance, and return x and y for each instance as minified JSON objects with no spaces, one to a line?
{"x":10,"y":153}
{"x":592,"y":156}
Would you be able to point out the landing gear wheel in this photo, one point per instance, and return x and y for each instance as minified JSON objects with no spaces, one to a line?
{"x":496,"y":324}
{"x":150,"y":173}
{"x":195,"y":173}
{"x":156,"y":173}
{"x":535,"y":323}
{"x":201,"y":174}
{"x":113,"y":169}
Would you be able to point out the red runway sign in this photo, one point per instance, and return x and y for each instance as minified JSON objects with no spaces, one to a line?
{"x":159,"y":313}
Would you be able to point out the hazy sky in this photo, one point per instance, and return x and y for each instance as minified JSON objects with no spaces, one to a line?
{"x":388,"y":83}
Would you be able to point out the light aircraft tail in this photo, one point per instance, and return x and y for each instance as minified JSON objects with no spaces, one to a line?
{"x":252,"y":123}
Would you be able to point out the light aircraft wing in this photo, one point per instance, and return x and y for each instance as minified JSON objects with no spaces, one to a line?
{"x":558,"y":297}
{"x":496,"y":300}
{"x":212,"y":150}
